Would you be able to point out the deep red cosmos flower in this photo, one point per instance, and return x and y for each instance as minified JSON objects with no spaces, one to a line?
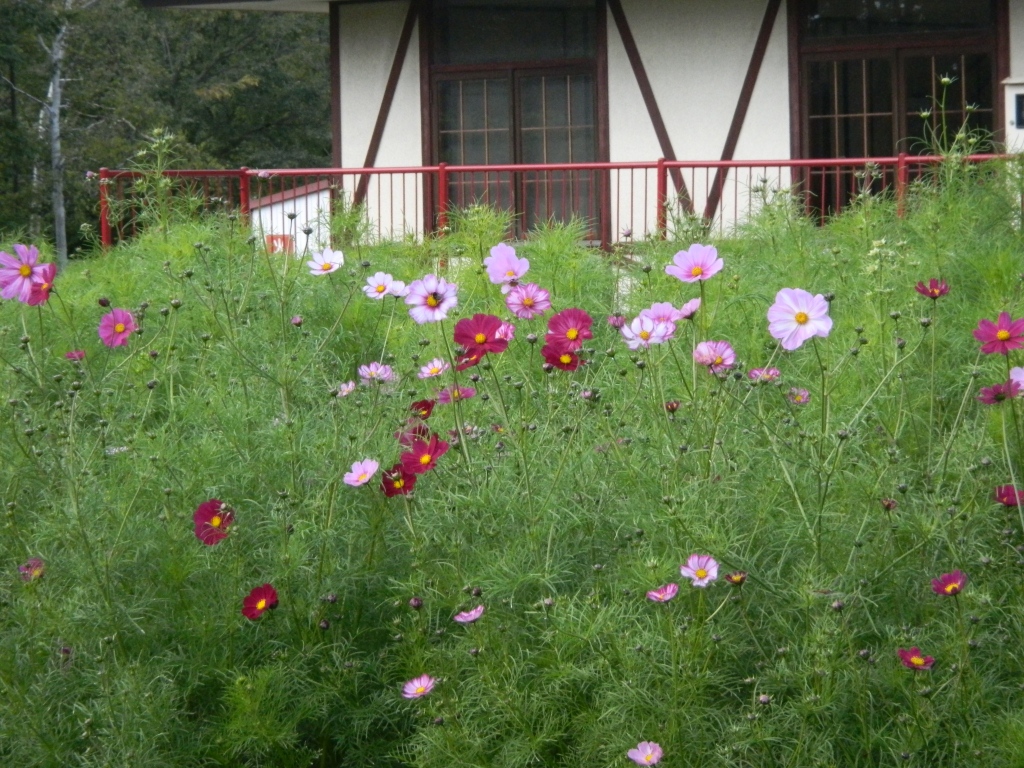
{"x":397,"y":481}
{"x":416,"y":431}
{"x":468,"y":360}
{"x":914,"y":659}
{"x":999,"y":393}
{"x":934,"y":290}
{"x":422,"y":456}
{"x":479,"y":334}
{"x":560,"y":358}
{"x":1009,"y":496}
{"x":212,"y":519}
{"x":423,"y":408}
{"x":259,"y":601}
{"x":568,"y":329}
{"x":1002,"y":337}
{"x":950,"y":584}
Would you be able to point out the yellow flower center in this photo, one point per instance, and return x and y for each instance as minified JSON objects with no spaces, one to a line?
{"x":425,"y":459}
{"x":696,"y":271}
{"x":700,"y":573}
{"x":951,"y":588}
{"x":261,"y":605}
{"x":421,"y":689}
{"x":456,"y":394}
{"x":480,"y":338}
{"x":119,"y":328}
{"x":24,"y":270}
{"x":917,"y":661}
{"x":798,"y":398}
{"x":527,"y":302}
{"x":399,"y":483}
{"x":648,"y":758}
{"x":362,"y":478}
{"x":381,"y":288}
{"x":801,"y":318}
{"x":326,"y":266}
{"x":645,"y":335}
{"x":1002,"y":334}
{"x":432,"y":300}
{"x":215,"y":521}
{"x":510,"y":273}
{"x":571,"y":334}
{"x":718,"y":360}
{"x":565,"y":359}
{"x":435,"y":370}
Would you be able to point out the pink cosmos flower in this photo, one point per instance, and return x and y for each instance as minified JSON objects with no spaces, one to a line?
{"x":646,"y":753}
{"x":382,"y":284}
{"x":700,"y":262}
{"x":764,"y":375}
{"x":325,"y":262}
{"x":19,"y":272}
{"x":468,"y":617}
{"x":616,"y":321}
{"x":913,"y":658}
{"x":297,"y":321}
{"x":362,"y":472}
{"x":435,"y":367}
{"x":718,"y":356}
{"x":798,"y":396}
{"x":1002,"y":336}
{"x":689,"y":309}
{"x":934,"y":290}
{"x":507,"y":332}
{"x":346,"y":389}
{"x":796,"y":316}
{"x":568,"y":329}
{"x":32,"y":569}
{"x":418,"y":687}
{"x":1017,"y":375}
{"x":998,"y":393}
{"x":662,"y":311}
{"x":375,"y":373}
{"x":75,"y":354}
{"x":644,"y":331}
{"x":528,"y":301}
{"x":40,"y":292}
{"x":663,"y":594}
{"x":700,"y":569}
{"x":451,"y":394}
{"x":950,"y":584}
{"x":504,"y":268}
{"x":431,"y":298}
{"x":116,"y":327}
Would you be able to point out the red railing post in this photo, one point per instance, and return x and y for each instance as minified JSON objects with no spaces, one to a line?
{"x":662,"y":198}
{"x":902,"y":178}
{"x":106,"y":236}
{"x":442,"y":198}
{"x":243,"y":192}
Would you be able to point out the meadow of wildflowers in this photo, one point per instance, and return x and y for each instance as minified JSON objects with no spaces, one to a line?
{"x":749,"y":502}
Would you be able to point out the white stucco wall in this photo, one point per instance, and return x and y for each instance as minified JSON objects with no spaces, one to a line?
{"x":1014,"y":132}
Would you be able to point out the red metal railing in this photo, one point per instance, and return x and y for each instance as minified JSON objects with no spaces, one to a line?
{"x":295,"y":209}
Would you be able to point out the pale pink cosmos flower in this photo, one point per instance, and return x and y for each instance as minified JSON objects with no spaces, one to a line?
{"x":116,"y":327}
{"x":362,"y":472}
{"x":382,"y":284}
{"x":663,"y":312}
{"x":798,"y":396}
{"x":435,"y":367}
{"x":698,"y":263}
{"x":431,"y":298}
{"x":346,"y":389}
{"x":764,"y":375}
{"x":505,"y":332}
{"x":504,"y":268}
{"x":646,"y":753}
{"x":19,"y":272}
{"x":450,"y":395}
{"x":689,"y":309}
{"x":418,"y":687}
{"x":376,"y":373}
{"x":1017,"y":375}
{"x":796,"y":316}
{"x":468,"y":617}
{"x":528,"y":301}
{"x":700,"y":569}
{"x":663,"y":594}
{"x":718,"y":356}
{"x":644,"y":331}
{"x":325,"y":262}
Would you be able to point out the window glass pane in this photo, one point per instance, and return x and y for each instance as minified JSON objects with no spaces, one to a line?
{"x":838,"y":18}
{"x":918,"y":83}
{"x":880,"y":136}
{"x":584,"y":148}
{"x":531,"y":102}
{"x":879,"y":79}
{"x":499,"y":147}
{"x":533,"y":146}
{"x":557,"y":146}
{"x":473,"y":104}
{"x":819,"y":88}
{"x":449,"y":106}
{"x":581,"y":95}
{"x":497,"y":104}
{"x":473,"y":148}
{"x":451,"y":148}
{"x":556,"y":101}
{"x":851,"y":87}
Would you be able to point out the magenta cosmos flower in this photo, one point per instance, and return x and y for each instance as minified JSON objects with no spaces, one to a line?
{"x":699,"y":262}
{"x":375,"y":373}
{"x":212,"y":520}
{"x":700,"y":569}
{"x":259,"y":601}
{"x":663,"y":594}
{"x":764,"y":375}
{"x":1002,"y":336}
{"x":325,"y":262}
{"x":913,"y":658}
{"x":616,"y":321}
{"x":568,"y":329}
{"x":116,"y":327}
{"x":644,"y":331}
{"x":504,"y":268}
{"x":506,"y":331}
{"x":1009,"y":496}
{"x":950,"y":584}
{"x":560,"y":358}
{"x":468,"y":617}
{"x":999,"y":393}
{"x":430,"y":299}
{"x":422,"y":455}
{"x":19,"y":272}
{"x":479,"y":334}
{"x":796,"y":316}
{"x":40,"y":293}
{"x":362,"y":472}
{"x":75,"y":355}
{"x":382,"y":284}
{"x":32,"y":569}
{"x":934,"y":290}
{"x":450,"y":395}
{"x":718,"y":356}
{"x":418,"y":687}
{"x":528,"y":301}
{"x":645,"y":753}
